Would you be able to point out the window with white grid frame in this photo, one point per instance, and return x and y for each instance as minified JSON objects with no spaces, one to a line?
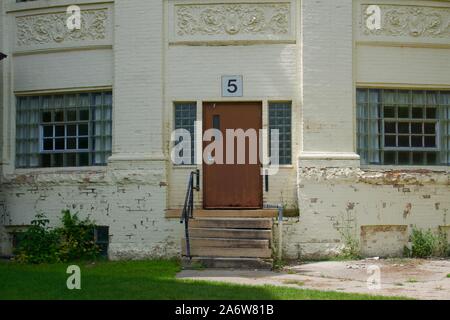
{"x":185,"y":117}
{"x":64,"y":130}
{"x":280,"y":118}
{"x":403,"y":127}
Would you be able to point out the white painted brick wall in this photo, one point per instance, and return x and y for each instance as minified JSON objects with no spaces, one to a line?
{"x":328,"y":197}
{"x":127,"y":201}
{"x":327,"y":85}
{"x":138,"y":82}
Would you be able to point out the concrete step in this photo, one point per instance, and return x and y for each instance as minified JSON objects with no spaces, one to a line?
{"x":228,"y":263}
{"x":200,"y":213}
{"x":234,"y":223}
{"x":230,"y":233}
{"x":228,"y":252}
{"x":226,"y":243}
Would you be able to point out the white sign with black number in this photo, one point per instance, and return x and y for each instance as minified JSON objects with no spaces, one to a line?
{"x":232,"y":86}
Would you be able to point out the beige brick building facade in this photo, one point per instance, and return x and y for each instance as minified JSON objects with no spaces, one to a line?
{"x":369,"y":133}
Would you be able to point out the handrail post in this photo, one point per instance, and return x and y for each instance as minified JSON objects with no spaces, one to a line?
{"x":280,"y":232}
{"x":188,"y":209}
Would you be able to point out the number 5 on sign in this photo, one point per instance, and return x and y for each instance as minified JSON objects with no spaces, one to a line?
{"x":232,"y":86}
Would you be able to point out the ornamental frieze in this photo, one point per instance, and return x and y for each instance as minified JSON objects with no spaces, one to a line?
{"x":264,"y":19}
{"x":409,"y":21}
{"x":52,"y":28}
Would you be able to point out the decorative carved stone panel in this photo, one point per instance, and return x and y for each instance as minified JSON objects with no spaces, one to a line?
{"x":234,"y":21}
{"x":413,"y":22}
{"x":50,"y":30}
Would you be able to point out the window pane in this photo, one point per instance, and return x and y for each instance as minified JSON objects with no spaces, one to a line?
{"x":48,"y":124}
{"x":71,"y":130}
{"x":72,"y":115}
{"x":389,"y":112}
{"x":84,"y":115}
{"x":431,"y":158}
{"x":59,"y":116}
{"x":46,"y":117}
{"x":83,"y":143}
{"x":185,"y":117}
{"x":280,"y":118}
{"x":390,"y":141}
{"x":418,"y":158}
{"x":84,"y":159}
{"x":404,"y":141}
{"x":60,"y":131}
{"x":59,"y":144}
{"x":46,"y":160}
{"x":71,"y":143}
{"x":48,"y":131}
{"x":58,"y":160}
{"x":403,"y":158}
{"x":71,"y":160}
{"x":403,"y":112}
{"x":83,"y":130}
{"x":416,"y":128}
{"x":417,"y":113}
{"x":417,"y":141}
{"x":48,"y":144}
{"x":430,"y":128}
{"x":430,"y":142}
{"x":431,"y":113}
{"x":389,"y":157}
{"x":403,"y":127}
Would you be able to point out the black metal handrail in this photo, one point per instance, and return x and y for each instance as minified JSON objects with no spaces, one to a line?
{"x":188,"y":209}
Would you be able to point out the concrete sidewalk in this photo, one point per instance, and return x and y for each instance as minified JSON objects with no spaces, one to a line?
{"x":419,"y":279}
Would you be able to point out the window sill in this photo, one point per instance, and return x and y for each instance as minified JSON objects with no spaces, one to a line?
{"x":185,"y":167}
{"x":66,"y":170}
{"x":406,"y":168}
{"x":190,"y":167}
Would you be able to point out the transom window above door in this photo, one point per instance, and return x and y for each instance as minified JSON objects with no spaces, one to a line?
{"x":403,"y":127}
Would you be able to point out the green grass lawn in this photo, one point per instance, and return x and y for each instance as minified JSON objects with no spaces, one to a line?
{"x":136,"y":280}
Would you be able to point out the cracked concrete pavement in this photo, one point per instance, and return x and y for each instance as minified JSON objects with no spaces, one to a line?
{"x":418,"y":279}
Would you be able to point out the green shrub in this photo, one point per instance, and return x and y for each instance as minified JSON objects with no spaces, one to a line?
{"x":426,"y":244}
{"x":77,"y":238}
{"x":38,"y":244}
{"x":73,"y":241}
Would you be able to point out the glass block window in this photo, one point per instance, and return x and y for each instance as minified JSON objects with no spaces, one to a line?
{"x":280,"y":118}
{"x":185,"y":117}
{"x":70,"y":130}
{"x":403,"y":127}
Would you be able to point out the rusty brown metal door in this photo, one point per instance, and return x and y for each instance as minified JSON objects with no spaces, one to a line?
{"x":233,"y":185}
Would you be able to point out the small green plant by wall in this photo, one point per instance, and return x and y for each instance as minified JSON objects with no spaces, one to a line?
{"x":73,"y":241}
{"x":426,"y":244}
{"x":347,"y":227}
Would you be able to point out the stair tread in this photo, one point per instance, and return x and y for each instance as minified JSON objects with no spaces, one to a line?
{"x":230,"y":229}
{"x":229,"y":263}
{"x":227,"y":239}
{"x":233,"y":219}
{"x":229,"y":252}
{"x":196,"y":242}
{"x":249,"y":234}
{"x":233,"y":223}
{"x":224,"y":213}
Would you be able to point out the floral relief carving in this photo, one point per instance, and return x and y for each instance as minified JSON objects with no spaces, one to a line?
{"x":51,"y":28}
{"x":233,"y":19}
{"x":412,"y":21}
